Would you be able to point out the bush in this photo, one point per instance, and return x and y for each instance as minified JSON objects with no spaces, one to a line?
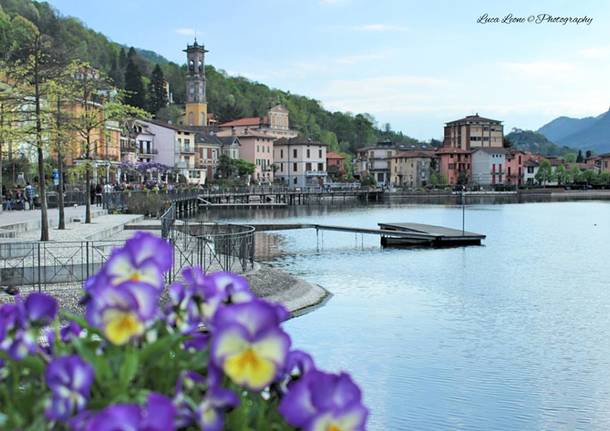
{"x":135,"y":364}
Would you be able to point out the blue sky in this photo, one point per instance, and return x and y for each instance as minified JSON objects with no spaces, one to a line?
{"x":413,"y":64}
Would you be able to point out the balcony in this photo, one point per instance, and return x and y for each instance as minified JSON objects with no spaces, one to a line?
{"x":187,"y":150}
{"x":315,"y":173}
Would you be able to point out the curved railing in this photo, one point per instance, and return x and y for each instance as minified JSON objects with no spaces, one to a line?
{"x":212,"y":246}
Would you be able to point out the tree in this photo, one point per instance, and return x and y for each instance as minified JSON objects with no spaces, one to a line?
{"x":561,"y":175}
{"x":570,"y":157}
{"x":544,"y":173}
{"x":134,"y":86}
{"x":156,"y":92}
{"x":33,"y":63}
{"x":589,"y":153}
{"x":579,"y":158}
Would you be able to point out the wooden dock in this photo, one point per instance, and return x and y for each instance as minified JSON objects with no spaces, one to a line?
{"x":393,"y":234}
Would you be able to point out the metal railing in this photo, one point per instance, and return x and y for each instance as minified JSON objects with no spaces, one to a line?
{"x":214,"y":247}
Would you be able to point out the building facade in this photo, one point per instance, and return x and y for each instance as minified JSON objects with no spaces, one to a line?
{"x":411,"y":169}
{"x":276,"y":124}
{"x":473,"y":132}
{"x":375,"y":161}
{"x":335,"y":163}
{"x":454,"y":165}
{"x":489,"y":166}
{"x":257,"y":148}
{"x":300,"y":162}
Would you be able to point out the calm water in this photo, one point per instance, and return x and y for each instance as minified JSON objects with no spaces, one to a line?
{"x":514,"y":335}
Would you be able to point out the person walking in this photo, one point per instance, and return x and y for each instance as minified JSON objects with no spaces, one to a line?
{"x":29,"y":195}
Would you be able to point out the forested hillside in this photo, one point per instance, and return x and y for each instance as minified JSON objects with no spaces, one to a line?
{"x":535,"y":142}
{"x":228,"y":97}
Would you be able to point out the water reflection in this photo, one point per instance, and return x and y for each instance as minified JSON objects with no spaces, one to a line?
{"x":509,"y":336}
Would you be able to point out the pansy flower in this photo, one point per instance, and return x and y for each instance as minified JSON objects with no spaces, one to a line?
{"x":322,"y":401}
{"x":123,"y":312}
{"x":144,"y":258}
{"x":157,"y":415}
{"x":69,"y":378}
{"x":248,"y":344}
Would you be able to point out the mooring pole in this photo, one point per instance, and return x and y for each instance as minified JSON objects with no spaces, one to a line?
{"x":463,"y":207}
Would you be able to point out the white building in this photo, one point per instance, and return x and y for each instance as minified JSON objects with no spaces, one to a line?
{"x":489,"y":166}
{"x":300,"y":162}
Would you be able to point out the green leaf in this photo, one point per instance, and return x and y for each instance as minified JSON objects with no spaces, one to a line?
{"x":103,"y":372}
{"x":163,"y":344}
{"x":129,"y":367}
{"x":34,"y":363}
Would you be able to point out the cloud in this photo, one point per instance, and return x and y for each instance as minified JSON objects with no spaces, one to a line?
{"x":186,"y":31}
{"x":539,"y":68}
{"x":596,"y":52}
{"x":379,"y":28}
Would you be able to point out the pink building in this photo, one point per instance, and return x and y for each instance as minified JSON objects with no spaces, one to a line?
{"x":257,"y":148}
{"x":454,"y":164}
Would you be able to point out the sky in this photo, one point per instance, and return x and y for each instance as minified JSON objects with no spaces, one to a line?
{"x":413,"y":64}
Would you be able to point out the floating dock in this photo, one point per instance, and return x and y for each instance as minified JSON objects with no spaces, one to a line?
{"x":418,"y":234}
{"x":394,"y":234}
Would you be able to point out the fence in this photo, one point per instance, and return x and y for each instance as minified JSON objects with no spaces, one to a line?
{"x":214,"y":247}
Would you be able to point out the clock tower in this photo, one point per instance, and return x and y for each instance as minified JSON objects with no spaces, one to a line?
{"x":196,"y":112}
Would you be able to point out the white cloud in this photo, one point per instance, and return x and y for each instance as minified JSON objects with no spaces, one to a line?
{"x":379,"y":28}
{"x":186,"y":31}
{"x":596,"y":52}
{"x":539,"y":68}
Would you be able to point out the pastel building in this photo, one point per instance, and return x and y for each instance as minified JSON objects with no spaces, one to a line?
{"x":454,"y":165}
{"x":276,"y":124}
{"x":489,"y":166}
{"x":335,"y":163}
{"x":411,"y":168}
{"x":300,"y":162}
{"x":257,"y":148}
{"x":473,"y":132}
{"x":375,"y":161}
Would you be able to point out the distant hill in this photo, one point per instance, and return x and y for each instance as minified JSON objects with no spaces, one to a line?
{"x":229,"y":97}
{"x":535,"y":142}
{"x":590,"y":133}
{"x":561,"y":127}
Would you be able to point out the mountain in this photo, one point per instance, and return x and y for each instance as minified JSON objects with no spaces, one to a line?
{"x":590,"y":133}
{"x":561,"y":127}
{"x":229,"y":97}
{"x":535,"y":142}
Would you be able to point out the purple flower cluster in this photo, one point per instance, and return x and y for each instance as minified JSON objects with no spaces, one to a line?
{"x":216,"y":315}
{"x":21,"y":322}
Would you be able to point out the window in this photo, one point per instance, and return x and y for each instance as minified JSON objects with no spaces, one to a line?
{"x":308,"y":155}
{"x":320,"y":153}
{"x":308,"y":166}
{"x":320,"y":167}
{"x":281,"y":154}
{"x":258,"y":149}
{"x":294,"y":167}
{"x":294,"y":153}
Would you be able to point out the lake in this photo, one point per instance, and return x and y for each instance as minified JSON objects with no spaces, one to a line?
{"x":512,"y":335}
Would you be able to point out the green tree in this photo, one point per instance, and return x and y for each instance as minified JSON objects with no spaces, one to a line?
{"x":544,"y":173}
{"x":561,"y":175}
{"x":579,"y":158}
{"x":156,"y":92}
{"x":570,"y":157}
{"x":134,"y":86}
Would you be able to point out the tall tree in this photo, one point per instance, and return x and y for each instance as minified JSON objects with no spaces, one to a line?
{"x":134,"y":86}
{"x":32,"y":66}
{"x":156,"y":92}
{"x":579,"y":158}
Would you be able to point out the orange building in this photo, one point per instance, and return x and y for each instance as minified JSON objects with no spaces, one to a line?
{"x":336,"y":160}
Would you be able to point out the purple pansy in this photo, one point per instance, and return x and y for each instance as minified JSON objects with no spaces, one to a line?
{"x":189,"y":385}
{"x":248,"y":344}
{"x":320,"y":400}
{"x":70,"y":331}
{"x":19,"y":323}
{"x":123,"y":312}
{"x":144,"y":258}
{"x":69,"y":378}
{"x":157,"y":415}
{"x":210,"y":412}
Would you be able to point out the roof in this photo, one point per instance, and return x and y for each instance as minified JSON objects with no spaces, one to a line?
{"x":451,"y":150}
{"x":333,"y":155}
{"x":299,"y":140}
{"x":245,"y":122}
{"x":469,"y":119}
{"x":229,"y":140}
{"x":207,"y":138}
{"x":414,"y":155}
{"x":254,"y":133}
{"x":177,"y":127}
{"x":491,"y":150}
